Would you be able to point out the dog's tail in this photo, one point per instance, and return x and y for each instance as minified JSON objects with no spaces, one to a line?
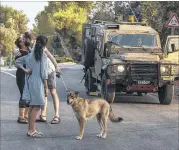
{"x":113,"y":118}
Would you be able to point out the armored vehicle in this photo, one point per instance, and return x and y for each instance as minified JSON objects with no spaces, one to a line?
{"x":128,"y":57}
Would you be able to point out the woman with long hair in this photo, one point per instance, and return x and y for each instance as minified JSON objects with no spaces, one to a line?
{"x":36,"y":64}
{"x":20,"y":80}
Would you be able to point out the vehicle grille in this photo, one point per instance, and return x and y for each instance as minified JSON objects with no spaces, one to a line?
{"x":142,"y":71}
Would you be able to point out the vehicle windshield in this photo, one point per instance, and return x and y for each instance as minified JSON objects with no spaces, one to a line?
{"x":133,"y":40}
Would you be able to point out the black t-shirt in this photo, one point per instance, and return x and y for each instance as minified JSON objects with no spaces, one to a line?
{"x":20,"y":71}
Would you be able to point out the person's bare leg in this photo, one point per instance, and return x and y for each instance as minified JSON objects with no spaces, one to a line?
{"x":26,"y":112}
{"x":33,"y":116}
{"x":55,"y":101}
{"x":29,"y":118}
{"x":44,"y":109}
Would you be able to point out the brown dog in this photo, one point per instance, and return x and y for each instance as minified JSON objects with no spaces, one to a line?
{"x":85,"y":109}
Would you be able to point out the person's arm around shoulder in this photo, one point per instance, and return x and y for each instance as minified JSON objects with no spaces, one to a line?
{"x":17,"y":56}
{"x":19,"y":62}
{"x":17,"y":53}
{"x":51,"y":57}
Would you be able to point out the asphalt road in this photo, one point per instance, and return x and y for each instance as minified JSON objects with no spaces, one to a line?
{"x":147,"y":125}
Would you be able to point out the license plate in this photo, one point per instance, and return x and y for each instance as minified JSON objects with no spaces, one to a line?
{"x":143,"y":82}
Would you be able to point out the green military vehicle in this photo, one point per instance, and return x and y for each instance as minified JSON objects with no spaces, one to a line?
{"x":127,"y":57}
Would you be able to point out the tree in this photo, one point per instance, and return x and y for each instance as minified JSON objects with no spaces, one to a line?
{"x":7,"y":39}
{"x":103,"y":10}
{"x":167,"y":9}
{"x":151,"y":13}
{"x":12,"y":24}
{"x":156,"y":14}
{"x":71,"y":17}
{"x":12,"y":18}
{"x":66,"y":19}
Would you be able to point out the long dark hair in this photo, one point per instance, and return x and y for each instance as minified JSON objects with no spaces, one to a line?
{"x":18,"y":42}
{"x":41,"y":42}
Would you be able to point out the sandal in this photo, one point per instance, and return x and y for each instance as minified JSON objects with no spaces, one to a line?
{"x":22,"y":121}
{"x":55,"y":120}
{"x":41,"y":119}
{"x":26,"y":118}
{"x":35,"y":134}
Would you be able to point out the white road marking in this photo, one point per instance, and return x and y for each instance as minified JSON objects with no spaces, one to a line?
{"x":8,"y":73}
{"x":8,"y":69}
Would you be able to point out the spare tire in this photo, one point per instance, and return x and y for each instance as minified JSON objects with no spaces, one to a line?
{"x":90,"y":82}
{"x":89,"y":54}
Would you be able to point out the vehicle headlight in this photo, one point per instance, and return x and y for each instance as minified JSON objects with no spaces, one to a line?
{"x":120,"y":68}
{"x":165,"y":69}
{"x":115,"y":69}
{"x":162,"y":69}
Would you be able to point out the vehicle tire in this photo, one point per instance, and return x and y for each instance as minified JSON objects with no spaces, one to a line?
{"x":90,"y":82}
{"x":107,"y":90}
{"x":89,"y":54}
{"x":165,"y":94}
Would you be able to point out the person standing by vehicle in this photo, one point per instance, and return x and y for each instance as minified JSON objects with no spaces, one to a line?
{"x":20,"y":80}
{"x":36,"y":64}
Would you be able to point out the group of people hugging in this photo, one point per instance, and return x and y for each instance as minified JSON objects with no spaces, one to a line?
{"x":35,"y":76}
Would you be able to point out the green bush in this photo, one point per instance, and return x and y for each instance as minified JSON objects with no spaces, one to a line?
{"x":63,"y":59}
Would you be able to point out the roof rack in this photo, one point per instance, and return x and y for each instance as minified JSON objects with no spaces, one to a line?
{"x":134,"y":23}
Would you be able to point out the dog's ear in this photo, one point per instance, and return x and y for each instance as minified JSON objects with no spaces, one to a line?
{"x":77,"y":94}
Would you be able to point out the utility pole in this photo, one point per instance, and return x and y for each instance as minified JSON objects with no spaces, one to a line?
{"x":172,"y":31}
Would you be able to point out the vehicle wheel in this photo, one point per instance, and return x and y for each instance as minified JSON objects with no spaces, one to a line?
{"x":90,"y":83}
{"x":165,"y":94}
{"x":89,"y":54}
{"x":107,"y":90}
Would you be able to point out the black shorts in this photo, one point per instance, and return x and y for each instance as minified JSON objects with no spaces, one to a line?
{"x":52,"y":80}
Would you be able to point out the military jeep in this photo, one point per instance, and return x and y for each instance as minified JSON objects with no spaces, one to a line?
{"x":127,"y":57}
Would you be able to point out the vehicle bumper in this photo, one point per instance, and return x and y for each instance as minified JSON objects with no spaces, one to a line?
{"x":142,"y":88}
{"x":125,"y":85}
